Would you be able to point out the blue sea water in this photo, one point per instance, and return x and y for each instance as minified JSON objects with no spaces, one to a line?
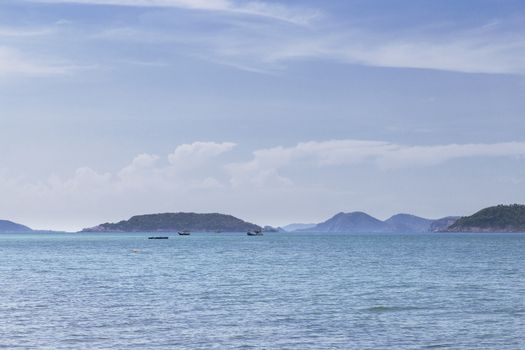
{"x":278,"y":291}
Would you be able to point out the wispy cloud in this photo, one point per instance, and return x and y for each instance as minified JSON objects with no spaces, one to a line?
{"x":467,"y":55}
{"x":384,"y":155}
{"x":23,"y":32}
{"x":460,"y":51}
{"x":255,"y":8}
{"x":270,"y":46}
{"x":263,"y":47}
{"x":14,"y":62}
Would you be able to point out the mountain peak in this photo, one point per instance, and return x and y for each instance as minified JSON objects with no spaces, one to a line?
{"x":361,"y":222}
{"x":357,"y":221}
{"x":9,"y":226}
{"x":408,"y":223}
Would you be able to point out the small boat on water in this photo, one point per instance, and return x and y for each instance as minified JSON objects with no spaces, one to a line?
{"x":158,"y":237}
{"x":184,"y":233}
{"x":254,"y":233}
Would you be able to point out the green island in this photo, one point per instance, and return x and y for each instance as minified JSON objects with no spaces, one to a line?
{"x":499,"y":218}
{"x":167,"y":222}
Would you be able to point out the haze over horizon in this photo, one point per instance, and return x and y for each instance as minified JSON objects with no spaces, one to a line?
{"x":275,"y":112}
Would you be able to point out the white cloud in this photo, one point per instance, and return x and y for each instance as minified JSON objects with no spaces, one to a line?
{"x":456,"y":52}
{"x":24,"y":32}
{"x":183,"y":170}
{"x":13,"y":62}
{"x":187,"y":167}
{"x":189,"y":155}
{"x":140,"y":163}
{"x":209,"y":183}
{"x":265,"y":47}
{"x":469,"y":55}
{"x":87,"y":180}
{"x":263,"y":169}
{"x":433,"y":155}
{"x":255,"y":8}
{"x":141,"y":173}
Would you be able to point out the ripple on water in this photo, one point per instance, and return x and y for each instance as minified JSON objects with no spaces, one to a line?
{"x":384,"y":309}
{"x":278,"y":292}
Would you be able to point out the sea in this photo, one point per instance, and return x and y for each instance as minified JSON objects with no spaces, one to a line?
{"x":277,"y":291}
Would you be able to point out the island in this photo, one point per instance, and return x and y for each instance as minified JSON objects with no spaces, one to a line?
{"x":360,"y":222}
{"x":7,"y":226}
{"x":500,"y":218}
{"x":172,"y":222}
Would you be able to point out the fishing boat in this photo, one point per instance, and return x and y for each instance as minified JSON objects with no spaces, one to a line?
{"x":184,"y":233}
{"x":254,"y":233}
{"x":158,"y":237}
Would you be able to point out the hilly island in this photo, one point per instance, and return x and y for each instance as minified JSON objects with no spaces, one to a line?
{"x":500,"y":218}
{"x":359,"y":222}
{"x":13,"y":227}
{"x":167,"y":222}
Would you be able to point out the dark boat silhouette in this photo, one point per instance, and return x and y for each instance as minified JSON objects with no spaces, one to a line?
{"x":254,"y":233}
{"x":158,"y":237}
{"x":184,"y":233}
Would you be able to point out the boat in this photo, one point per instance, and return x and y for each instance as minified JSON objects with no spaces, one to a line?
{"x":254,"y":233}
{"x":184,"y":233}
{"x":158,"y":237}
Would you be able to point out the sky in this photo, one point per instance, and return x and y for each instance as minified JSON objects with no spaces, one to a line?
{"x":273,"y":111}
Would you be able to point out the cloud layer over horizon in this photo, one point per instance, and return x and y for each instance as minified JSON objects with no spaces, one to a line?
{"x":198,"y":172}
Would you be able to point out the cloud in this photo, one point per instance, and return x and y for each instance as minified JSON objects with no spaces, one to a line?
{"x":433,"y":155}
{"x":263,"y":169}
{"x":141,"y":173}
{"x":456,"y":52}
{"x":254,"y":8}
{"x":24,"y":32}
{"x":266,"y":47}
{"x":269,"y":46}
{"x":13,"y":62}
{"x":86,"y":180}
{"x":188,"y":167}
{"x":189,"y":155}
{"x":193,"y":166}
{"x":469,"y":55}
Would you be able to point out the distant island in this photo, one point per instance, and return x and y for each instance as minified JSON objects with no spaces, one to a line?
{"x":500,"y":218}
{"x":359,"y":222}
{"x":170,"y":222}
{"x":7,"y":226}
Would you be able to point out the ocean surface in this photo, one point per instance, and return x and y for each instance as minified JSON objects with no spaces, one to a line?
{"x":278,"y":291}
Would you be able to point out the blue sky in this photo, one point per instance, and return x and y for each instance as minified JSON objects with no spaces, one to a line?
{"x":273,"y":111}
